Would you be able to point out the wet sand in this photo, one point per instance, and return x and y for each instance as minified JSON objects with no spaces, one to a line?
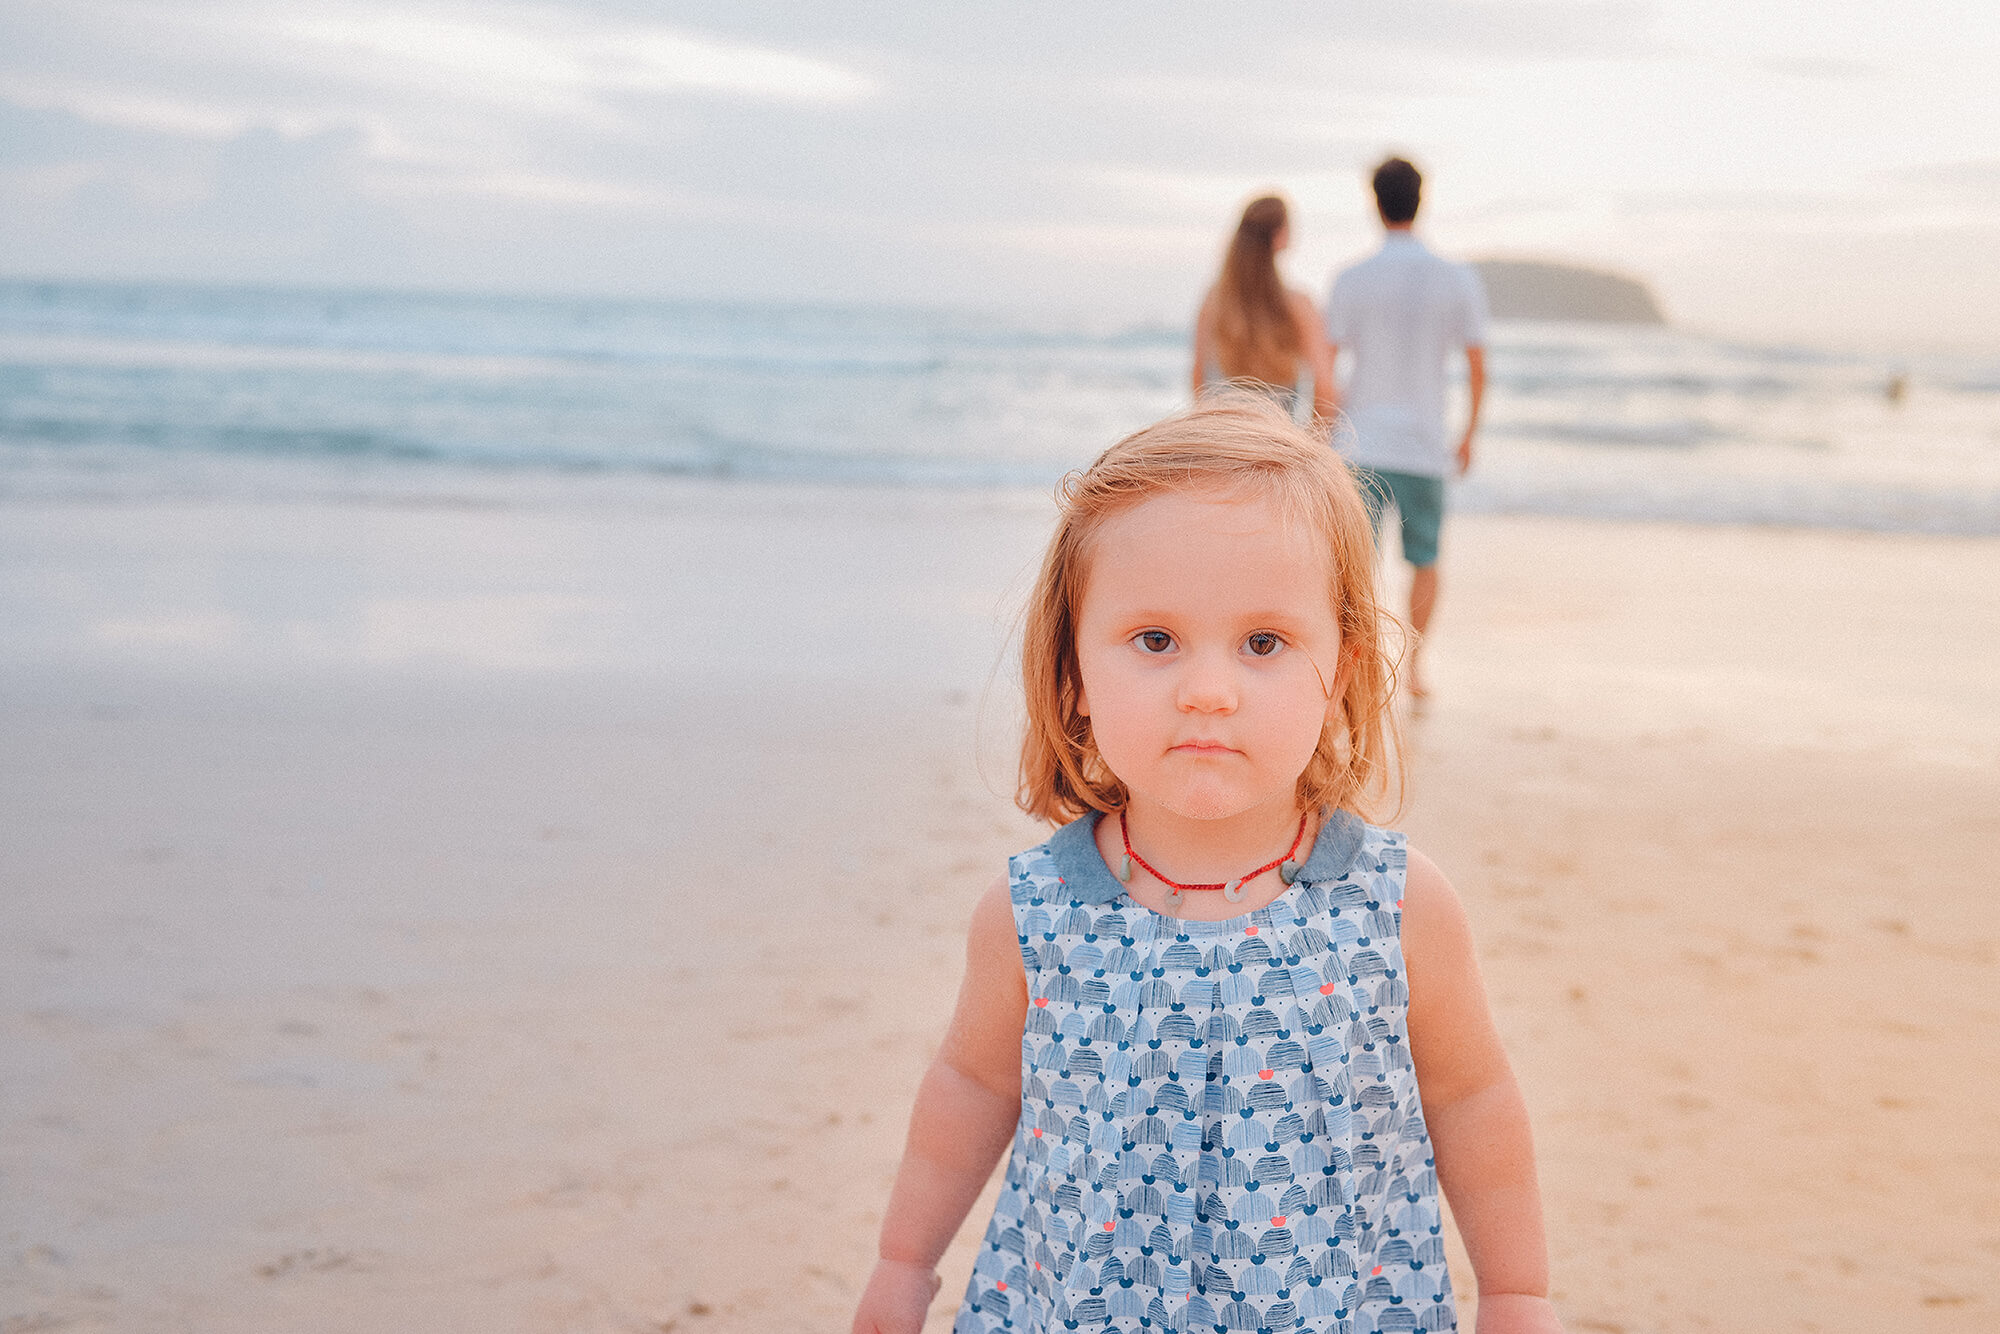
{"x":538,"y":919}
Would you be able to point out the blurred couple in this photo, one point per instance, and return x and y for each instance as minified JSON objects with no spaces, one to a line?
{"x":1402,"y":316}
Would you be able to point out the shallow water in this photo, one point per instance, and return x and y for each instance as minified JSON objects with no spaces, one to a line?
{"x":110,"y":390}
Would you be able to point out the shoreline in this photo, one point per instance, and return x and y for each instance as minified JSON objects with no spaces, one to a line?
{"x":453,"y":485}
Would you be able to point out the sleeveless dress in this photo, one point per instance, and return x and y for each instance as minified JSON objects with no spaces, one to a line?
{"x":1219,"y":1120}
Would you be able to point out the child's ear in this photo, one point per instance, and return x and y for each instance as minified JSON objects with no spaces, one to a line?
{"x":1082,"y":703}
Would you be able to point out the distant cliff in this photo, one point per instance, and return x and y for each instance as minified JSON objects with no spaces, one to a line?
{"x":1527,"y":290}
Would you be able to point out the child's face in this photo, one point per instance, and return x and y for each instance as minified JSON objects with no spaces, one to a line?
{"x":1205,"y":629}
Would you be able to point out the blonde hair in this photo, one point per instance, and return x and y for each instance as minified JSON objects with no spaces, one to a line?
{"x":1230,"y":441}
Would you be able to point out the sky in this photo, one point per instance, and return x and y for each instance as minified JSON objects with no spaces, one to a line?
{"x":1825,"y":172}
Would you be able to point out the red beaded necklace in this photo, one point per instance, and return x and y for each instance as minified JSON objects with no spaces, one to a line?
{"x":1286,"y":867}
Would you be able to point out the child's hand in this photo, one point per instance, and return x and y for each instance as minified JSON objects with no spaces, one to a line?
{"x":897,"y":1299}
{"x":1516,"y":1313}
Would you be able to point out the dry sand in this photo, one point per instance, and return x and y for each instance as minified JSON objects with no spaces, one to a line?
{"x":538,"y":920}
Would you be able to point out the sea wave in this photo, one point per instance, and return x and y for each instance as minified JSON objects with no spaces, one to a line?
{"x":154,"y":389}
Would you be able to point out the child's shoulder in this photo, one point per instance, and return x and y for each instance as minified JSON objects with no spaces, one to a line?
{"x":1066,"y":866}
{"x":993,"y":914}
{"x":1348,"y":846}
{"x":1434,"y":916}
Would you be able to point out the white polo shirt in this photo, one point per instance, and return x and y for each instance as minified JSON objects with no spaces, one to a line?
{"x":1402,"y":314}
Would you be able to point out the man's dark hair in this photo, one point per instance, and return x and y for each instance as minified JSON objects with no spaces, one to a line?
{"x":1398,"y":188}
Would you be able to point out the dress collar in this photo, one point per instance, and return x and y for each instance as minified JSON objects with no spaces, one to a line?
{"x":1082,"y":867}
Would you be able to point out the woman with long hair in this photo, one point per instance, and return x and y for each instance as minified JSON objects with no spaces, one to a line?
{"x":1253,"y":328}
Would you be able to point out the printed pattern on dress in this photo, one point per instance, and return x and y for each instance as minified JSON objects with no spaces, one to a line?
{"x":1219,"y":1123}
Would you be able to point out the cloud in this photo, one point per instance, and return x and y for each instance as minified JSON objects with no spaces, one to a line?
{"x":1826,"y":68}
{"x":330,"y":132}
{"x":104,"y":200}
{"x":108,"y":103}
{"x":1978,"y":179}
{"x":1282,"y":39}
{"x":458,"y":85}
{"x":1020,"y":154}
{"x":1506,"y":29}
{"x":521,"y":51}
{"x":1940,"y":197}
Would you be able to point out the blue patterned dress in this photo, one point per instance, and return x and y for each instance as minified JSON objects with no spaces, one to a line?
{"x":1219,"y":1120}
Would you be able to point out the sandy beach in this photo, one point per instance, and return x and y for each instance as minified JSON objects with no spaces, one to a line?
{"x":537,"y":918}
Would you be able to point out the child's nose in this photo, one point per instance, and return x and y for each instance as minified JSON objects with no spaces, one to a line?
{"x":1209,"y":684}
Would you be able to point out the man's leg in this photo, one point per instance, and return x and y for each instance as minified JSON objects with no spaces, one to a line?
{"x":1420,"y":505}
{"x":1423,"y":598}
{"x":1374,"y":490}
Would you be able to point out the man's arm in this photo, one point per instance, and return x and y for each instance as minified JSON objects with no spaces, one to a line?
{"x":1475,"y":367}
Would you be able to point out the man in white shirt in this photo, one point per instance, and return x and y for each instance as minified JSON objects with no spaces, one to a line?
{"x":1404,"y":313}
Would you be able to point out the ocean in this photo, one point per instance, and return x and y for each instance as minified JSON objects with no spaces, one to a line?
{"x":127,"y":391}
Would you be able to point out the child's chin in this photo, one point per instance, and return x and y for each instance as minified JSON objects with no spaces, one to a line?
{"x":1210,"y":805}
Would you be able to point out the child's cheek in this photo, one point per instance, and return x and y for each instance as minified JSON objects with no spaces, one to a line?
{"x":1112,"y":736}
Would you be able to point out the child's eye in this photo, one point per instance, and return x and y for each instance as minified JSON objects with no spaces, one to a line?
{"x":1153,"y":641}
{"x":1263,"y":644}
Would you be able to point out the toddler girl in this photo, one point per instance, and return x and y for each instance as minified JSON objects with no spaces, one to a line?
{"x":1197,"y":1017}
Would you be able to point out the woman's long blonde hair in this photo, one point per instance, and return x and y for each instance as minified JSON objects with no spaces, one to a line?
{"x":1231,"y":443}
{"x":1256,"y":333}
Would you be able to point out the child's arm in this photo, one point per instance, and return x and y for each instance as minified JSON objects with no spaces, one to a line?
{"x":964,"y":1119}
{"x":1478,"y":1123}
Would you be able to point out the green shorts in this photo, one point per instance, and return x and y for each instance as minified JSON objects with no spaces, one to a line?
{"x":1419,"y":504}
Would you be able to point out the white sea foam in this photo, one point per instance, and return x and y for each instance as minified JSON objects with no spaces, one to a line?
{"x":128,"y":390}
